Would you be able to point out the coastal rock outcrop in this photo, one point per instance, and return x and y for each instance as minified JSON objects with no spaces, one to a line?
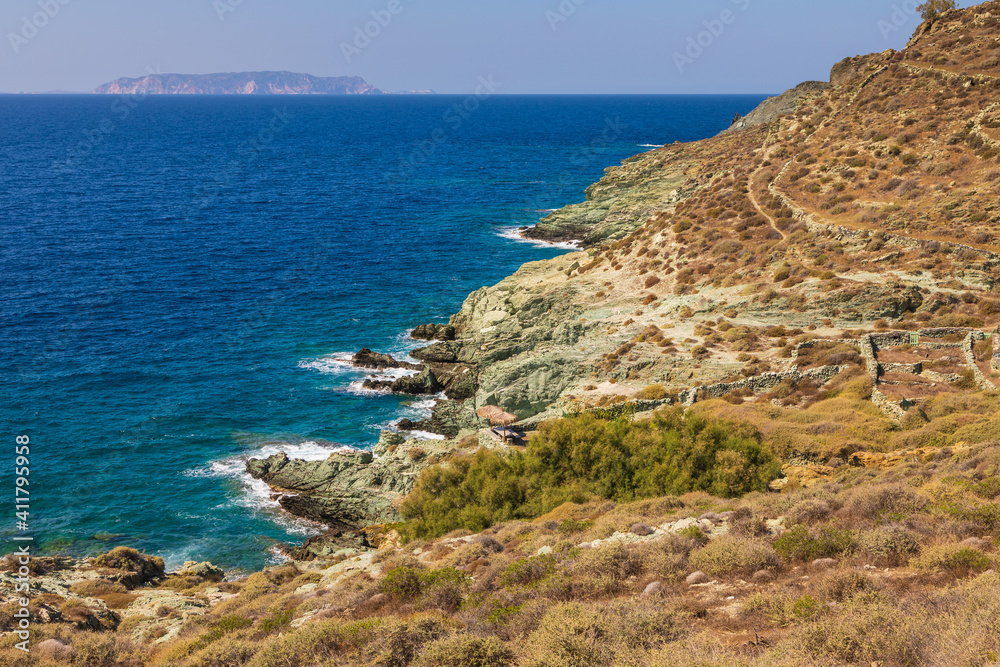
{"x":781,"y":105}
{"x":365,"y":358}
{"x":433,"y":332}
{"x":350,"y":489}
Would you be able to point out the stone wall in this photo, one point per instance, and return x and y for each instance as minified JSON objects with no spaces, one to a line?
{"x":913,"y":369}
{"x":867,"y":347}
{"x":892,"y":409}
{"x":759,"y":383}
{"x":970,"y":360}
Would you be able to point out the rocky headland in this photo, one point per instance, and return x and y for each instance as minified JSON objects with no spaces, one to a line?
{"x":239,"y":83}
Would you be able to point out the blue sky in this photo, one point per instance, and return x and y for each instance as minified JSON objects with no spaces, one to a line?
{"x":527,"y":46}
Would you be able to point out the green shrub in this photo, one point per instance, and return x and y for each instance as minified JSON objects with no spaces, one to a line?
{"x":732,"y":556}
{"x":693,"y":532}
{"x":465,"y":651}
{"x":406,"y":583}
{"x":801,"y":544}
{"x":527,"y":571}
{"x":402,"y":583}
{"x":954,"y":558}
{"x":891,"y":545}
{"x":577,"y":458}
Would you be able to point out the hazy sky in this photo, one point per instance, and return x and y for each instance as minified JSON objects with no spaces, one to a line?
{"x":527,"y":46}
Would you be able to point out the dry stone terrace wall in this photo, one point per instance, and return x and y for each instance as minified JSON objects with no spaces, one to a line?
{"x":758,"y":383}
{"x":869,"y":345}
{"x":968,"y":350}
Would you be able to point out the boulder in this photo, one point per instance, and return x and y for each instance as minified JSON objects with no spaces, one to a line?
{"x":349,"y":489}
{"x":438,"y":353}
{"x":204,"y":570}
{"x":696,"y":578}
{"x":423,"y":383}
{"x":329,"y":545}
{"x":443,"y":332}
{"x":655,"y":588}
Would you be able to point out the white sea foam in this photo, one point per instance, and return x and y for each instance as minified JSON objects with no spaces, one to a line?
{"x":331,"y":364}
{"x":358,"y":389}
{"x":652,"y":145}
{"x":424,"y":435}
{"x":255,"y":494}
{"x":514,"y":234}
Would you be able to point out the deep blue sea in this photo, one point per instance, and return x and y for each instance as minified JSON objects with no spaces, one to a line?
{"x":181,"y":279}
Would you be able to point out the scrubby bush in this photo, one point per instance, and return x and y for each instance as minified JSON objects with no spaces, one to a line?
{"x":842,"y":585}
{"x":891,"y":545}
{"x":957,"y":559}
{"x":810,"y":510}
{"x":574,"y":459}
{"x":141,"y":567}
{"x":885,"y":501}
{"x":734,"y":556}
{"x":804,"y":545}
{"x":866,"y":630}
{"x":464,"y":650}
{"x":580,"y":635}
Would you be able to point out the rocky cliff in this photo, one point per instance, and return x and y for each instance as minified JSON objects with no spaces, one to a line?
{"x":239,"y":83}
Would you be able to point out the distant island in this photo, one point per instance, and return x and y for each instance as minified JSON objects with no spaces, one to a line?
{"x":242,"y":83}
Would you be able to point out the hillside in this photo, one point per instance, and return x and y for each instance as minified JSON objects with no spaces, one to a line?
{"x":239,"y":83}
{"x":760,"y":420}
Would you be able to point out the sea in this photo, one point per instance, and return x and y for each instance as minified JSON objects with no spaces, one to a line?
{"x":183,"y":279}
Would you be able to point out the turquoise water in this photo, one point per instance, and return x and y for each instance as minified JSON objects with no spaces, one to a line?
{"x":182,"y":276}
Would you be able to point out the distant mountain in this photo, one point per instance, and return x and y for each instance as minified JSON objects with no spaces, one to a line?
{"x":239,"y":83}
